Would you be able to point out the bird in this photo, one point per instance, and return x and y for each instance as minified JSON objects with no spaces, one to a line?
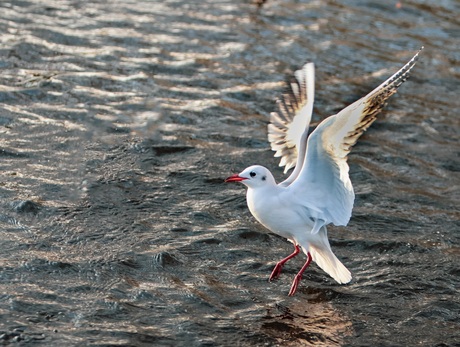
{"x":318,"y":191}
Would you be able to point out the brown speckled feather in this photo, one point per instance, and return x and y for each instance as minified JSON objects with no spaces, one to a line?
{"x":292,"y":117}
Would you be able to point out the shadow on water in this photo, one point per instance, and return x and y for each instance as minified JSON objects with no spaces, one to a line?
{"x":119,"y":124}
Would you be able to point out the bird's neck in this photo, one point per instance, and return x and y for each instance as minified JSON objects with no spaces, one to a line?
{"x":262,"y":193}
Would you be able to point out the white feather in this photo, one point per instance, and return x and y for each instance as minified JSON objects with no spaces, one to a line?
{"x":319,"y":190}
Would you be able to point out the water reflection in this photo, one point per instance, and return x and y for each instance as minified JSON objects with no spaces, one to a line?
{"x":120,"y":123}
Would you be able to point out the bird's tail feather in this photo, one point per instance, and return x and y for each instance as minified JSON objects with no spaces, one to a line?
{"x":327,"y":261}
{"x":322,"y":254}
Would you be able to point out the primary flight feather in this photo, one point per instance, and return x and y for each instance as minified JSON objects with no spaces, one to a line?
{"x":318,"y":191}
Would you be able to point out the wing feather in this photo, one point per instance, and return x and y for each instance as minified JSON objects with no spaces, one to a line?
{"x":292,"y":117}
{"x":355,"y":123}
{"x":323,"y":185}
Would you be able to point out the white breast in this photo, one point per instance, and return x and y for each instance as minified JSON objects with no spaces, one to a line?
{"x":270,"y":208}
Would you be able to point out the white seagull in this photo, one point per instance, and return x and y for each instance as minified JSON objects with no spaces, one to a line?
{"x":319,"y":190}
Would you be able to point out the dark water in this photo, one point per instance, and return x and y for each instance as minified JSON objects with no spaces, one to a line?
{"x":119,"y":121}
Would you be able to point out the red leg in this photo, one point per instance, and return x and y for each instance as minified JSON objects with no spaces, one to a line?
{"x":279,"y":265}
{"x":298,"y":277}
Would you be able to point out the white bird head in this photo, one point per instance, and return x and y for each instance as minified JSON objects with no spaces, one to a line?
{"x":253,"y":177}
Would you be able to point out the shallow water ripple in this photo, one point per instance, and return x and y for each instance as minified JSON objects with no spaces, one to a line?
{"x":119,"y":123}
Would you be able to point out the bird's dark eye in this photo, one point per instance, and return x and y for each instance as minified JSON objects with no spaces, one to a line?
{"x":252,"y":174}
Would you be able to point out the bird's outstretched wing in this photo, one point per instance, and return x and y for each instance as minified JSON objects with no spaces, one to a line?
{"x":293,"y":116}
{"x":323,"y":185}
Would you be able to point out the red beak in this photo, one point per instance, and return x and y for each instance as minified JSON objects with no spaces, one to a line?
{"x":235,"y":178}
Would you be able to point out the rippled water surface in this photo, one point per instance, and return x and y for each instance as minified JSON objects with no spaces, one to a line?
{"x":119,"y":121}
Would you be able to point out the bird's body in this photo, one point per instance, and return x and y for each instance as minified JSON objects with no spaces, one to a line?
{"x":272,"y":208}
{"x":282,"y":211}
{"x":318,"y":191}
